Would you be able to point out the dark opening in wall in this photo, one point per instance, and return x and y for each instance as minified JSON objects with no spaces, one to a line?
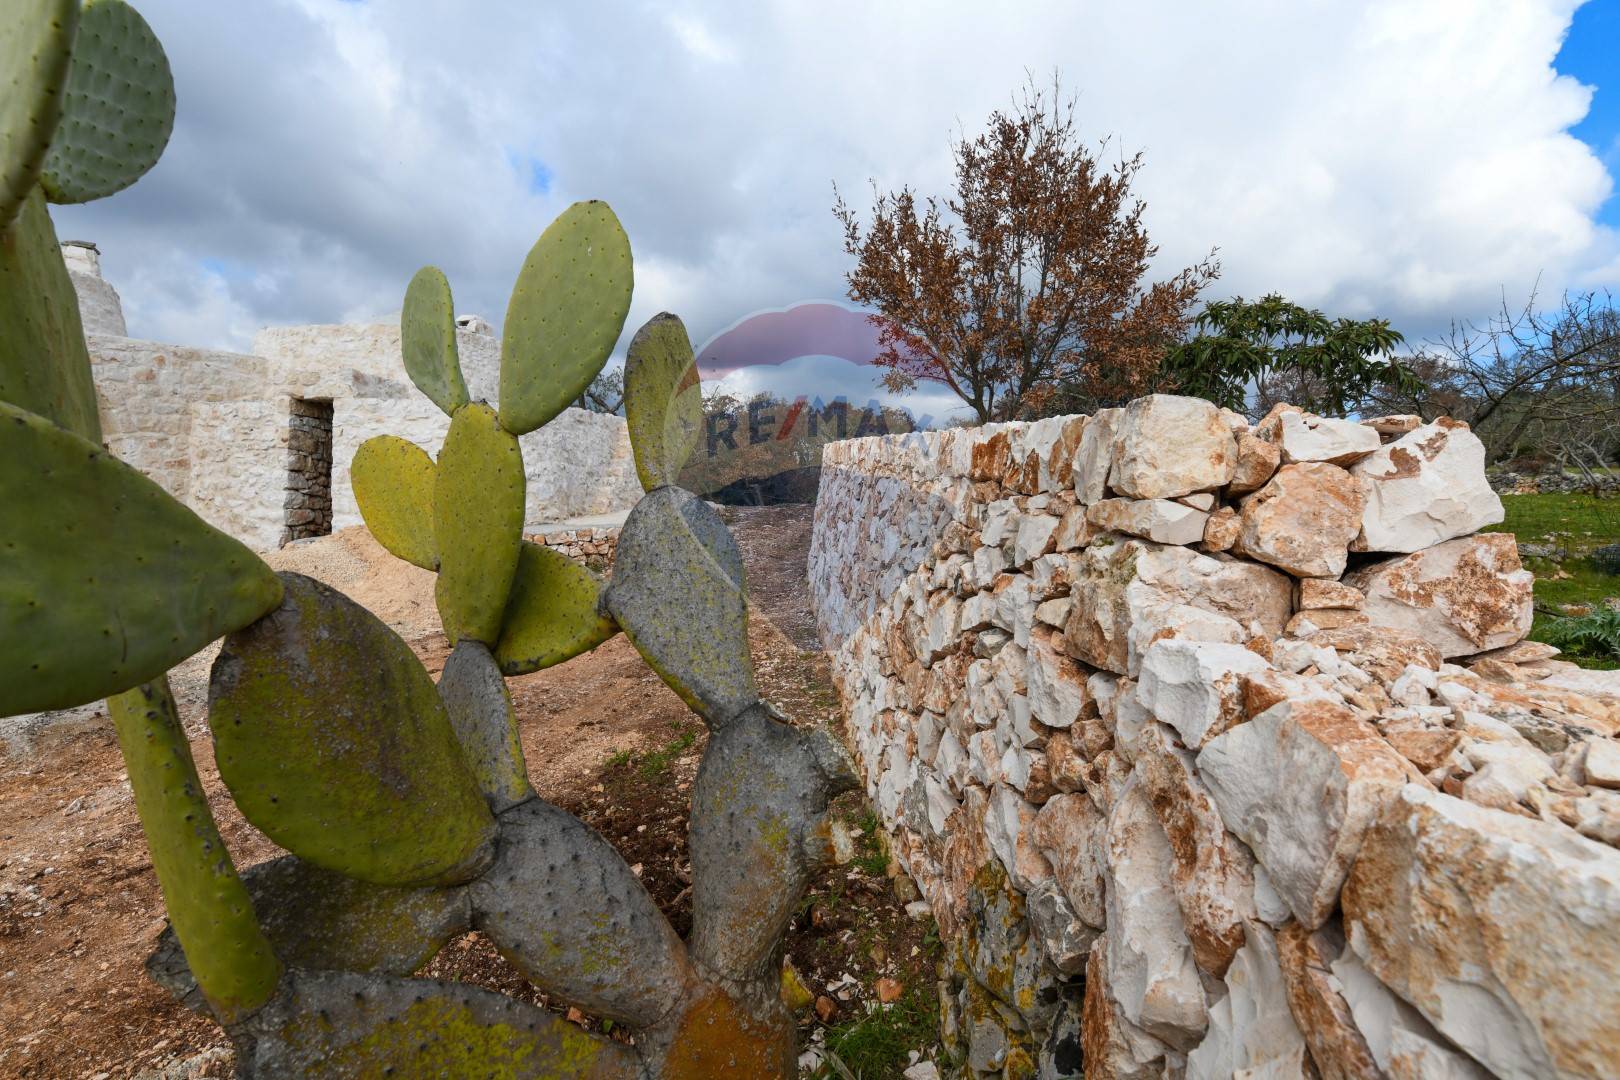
{"x":309,"y":470}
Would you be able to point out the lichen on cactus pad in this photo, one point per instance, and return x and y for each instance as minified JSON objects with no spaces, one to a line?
{"x":332,"y":739}
{"x":481,"y":713}
{"x":427,"y":337}
{"x":36,"y":42}
{"x":393,"y":482}
{"x":694,"y":635}
{"x":106,"y":580}
{"x":566,"y":312}
{"x":663,"y":400}
{"x":119,"y":108}
{"x":478,"y":501}
{"x":44,"y":366}
{"x":554,"y":612}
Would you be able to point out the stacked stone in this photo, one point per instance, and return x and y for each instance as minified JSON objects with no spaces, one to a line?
{"x":594,"y":547}
{"x":1217,"y":750}
{"x":308,"y":503}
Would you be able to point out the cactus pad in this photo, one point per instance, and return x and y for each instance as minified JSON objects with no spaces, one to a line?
{"x":478,"y":519}
{"x":343,"y":1026}
{"x":36,"y":42}
{"x":118,"y":110}
{"x":393,"y":483}
{"x":695,"y":636}
{"x":480,"y":709}
{"x":565,"y":314}
{"x":663,"y":400}
{"x":315,"y":919}
{"x":554,"y":613}
{"x":44,"y":367}
{"x":208,"y":905}
{"x":333,"y":741}
{"x":106,"y":580}
{"x":427,"y":336}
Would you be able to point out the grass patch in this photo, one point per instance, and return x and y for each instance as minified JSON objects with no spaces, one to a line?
{"x":872,"y":856}
{"x":1574,"y":525}
{"x":878,"y":1045}
{"x":656,"y":763}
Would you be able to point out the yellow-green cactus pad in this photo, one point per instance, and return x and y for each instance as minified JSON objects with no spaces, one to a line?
{"x":36,"y":41}
{"x":478,"y":519}
{"x":106,"y":580}
{"x":565,"y":314}
{"x":332,"y":739}
{"x":677,"y":592}
{"x":345,"y":1026}
{"x":393,"y":483}
{"x":44,"y":367}
{"x":427,"y":337}
{"x":228,"y":953}
{"x":554,"y":613}
{"x":118,"y":110}
{"x":318,"y":920}
{"x":663,"y":400}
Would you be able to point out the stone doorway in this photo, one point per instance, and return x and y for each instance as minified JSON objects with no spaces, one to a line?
{"x":308,"y":505}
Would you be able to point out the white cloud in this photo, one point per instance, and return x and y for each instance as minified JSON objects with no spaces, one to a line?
{"x":1402,"y":157}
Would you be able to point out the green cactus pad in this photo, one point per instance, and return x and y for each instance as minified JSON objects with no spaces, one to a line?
{"x":230,"y":957}
{"x":677,"y":592}
{"x":427,"y":335}
{"x":44,"y":367}
{"x":478,"y":519}
{"x":106,"y":580}
{"x":553,"y":614}
{"x":318,"y":920}
{"x":565,"y":314}
{"x":332,"y":739}
{"x":343,"y":1026}
{"x":663,"y":400}
{"x":36,"y":42}
{"x":480,"y":708}
{"x":393,"y":483}
{"x":118,"y":110}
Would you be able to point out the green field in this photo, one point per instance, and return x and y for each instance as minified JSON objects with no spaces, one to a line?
{"x":1575,"y":525}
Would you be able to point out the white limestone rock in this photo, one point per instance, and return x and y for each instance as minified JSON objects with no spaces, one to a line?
{"x":1168,"y":445}
{"x":1503,"y":931}
{"x":1251,"y":1032}
{"x":1463,"y":596}
{"x":1300,"y":784}
{"x":1427,"y":487}
{"x":1094,"y":459}
{"x":1195,"y":686}
{"x":1160,"y":520}
{"x":1056,"y":683}
{"x":1403,"y":1044}
{"x":1069,"y":831}
{"x":1306,"y":437}
{"x":1303,"y":520}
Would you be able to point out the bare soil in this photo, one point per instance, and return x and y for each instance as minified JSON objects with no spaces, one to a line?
{"x":80,"y":907}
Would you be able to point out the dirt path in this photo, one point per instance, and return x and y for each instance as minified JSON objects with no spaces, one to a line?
{"x":80,"y":906}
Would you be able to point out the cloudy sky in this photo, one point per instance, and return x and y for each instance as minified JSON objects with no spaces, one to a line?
{"x":1408,"y":158}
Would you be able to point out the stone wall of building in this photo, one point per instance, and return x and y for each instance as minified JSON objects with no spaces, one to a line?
{"x":213,"y":428}
{"x":1217,"y":750}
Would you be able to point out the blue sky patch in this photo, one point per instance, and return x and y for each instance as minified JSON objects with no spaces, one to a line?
{"x":1591,"y":53}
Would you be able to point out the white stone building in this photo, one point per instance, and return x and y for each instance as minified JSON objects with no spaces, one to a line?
{"x":216,"y":429}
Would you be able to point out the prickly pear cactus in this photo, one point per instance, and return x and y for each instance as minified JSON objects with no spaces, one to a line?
{"x":404,"y":806}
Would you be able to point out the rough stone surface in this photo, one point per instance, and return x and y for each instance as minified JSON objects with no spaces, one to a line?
{"x":1303,"y":520}
{"x":1167,"y":446}
{"x":1304,"y":437}
{"x":1424,"y":488}
{"x":1463,"y":596}
{"x":1153,"y":519}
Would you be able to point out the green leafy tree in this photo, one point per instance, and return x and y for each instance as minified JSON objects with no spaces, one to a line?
{"x":1260,"y":352}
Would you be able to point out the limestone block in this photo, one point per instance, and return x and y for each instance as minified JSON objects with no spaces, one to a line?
{"x":1222,"y":529}
{"x":1114,"y":1047}
{"x":1167,"y":446}
{"x":1213,"y":872}
{"x":1463,"y":596}
{"x":1064,"y":937}
{"x":1008,"y":827}
{"x":1160,"y":520}
{"x":1094,"y":459}
{"x":1320,"y":593}
{"x":1068,"y":830}
{"x":1502,"y":931}
{"x":1303,"y":520}
{"x":1402,"y":1043}
{"x":1257,"y":462}
{"x":1034,"y":537}
{"x":1055,"y":683}
{"x":1306,"y":437}
{"x":1320,"y":1012}
{"x":1251,"y":1032}
{"x":1196,"y":687}
{"x":1301,"y":784}
{"x":1426,"y":487}
{"x":1150,"y":961}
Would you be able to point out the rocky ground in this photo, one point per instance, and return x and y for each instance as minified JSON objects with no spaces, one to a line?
{"x":80,"y":907}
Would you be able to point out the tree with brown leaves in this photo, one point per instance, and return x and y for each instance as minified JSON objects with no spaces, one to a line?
{"x":1023,"y":292}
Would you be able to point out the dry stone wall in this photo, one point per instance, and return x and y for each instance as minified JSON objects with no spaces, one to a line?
{"x":1217,"y":749}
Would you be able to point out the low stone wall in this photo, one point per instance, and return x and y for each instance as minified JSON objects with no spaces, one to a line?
{"x":592,"y":546}
{"x":1217,"y":750}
